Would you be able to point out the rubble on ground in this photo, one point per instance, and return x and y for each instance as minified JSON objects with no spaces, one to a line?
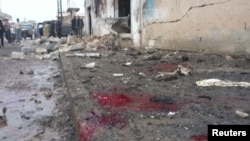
{"x":49,"y":47}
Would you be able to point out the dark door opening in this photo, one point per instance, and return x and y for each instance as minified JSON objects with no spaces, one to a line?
{"x":90,"y":20}
{"x":124,"y":8}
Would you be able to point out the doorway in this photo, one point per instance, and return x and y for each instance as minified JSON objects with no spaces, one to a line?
{"x":90,"y":20}
{"x":123,"y":8}
{"x":123,"y":11}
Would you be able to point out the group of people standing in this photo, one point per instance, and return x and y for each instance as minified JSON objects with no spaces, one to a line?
{"x":5,"y":30}
{"x":55,"y":28}
{"x":77,"y":25}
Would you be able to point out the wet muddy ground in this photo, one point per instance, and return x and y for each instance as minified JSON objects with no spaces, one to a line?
{"x":37,"y":107}
{"x":121,"y":95}
{"x":122,"y":98}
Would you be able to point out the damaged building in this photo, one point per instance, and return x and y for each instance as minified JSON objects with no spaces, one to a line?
{"x":215,"y":26}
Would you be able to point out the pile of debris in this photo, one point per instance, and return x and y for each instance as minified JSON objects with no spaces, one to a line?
{"x":50,"y":47}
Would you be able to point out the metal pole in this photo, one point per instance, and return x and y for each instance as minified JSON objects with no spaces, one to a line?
{"x":59,"y":9}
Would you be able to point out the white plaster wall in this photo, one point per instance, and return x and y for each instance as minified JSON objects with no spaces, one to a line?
{"x":136,"y":7}
{"x":214,"y":26}
{"x":110,"y":9}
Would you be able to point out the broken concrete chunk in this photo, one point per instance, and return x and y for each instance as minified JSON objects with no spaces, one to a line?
{"x":184,"y":71}
{"x":62,"y":41}
{"x":171,"y":113}
{"x":221,"y":83}
{"x":153,"y":57}
{"x":18,"y":55}
{"x":118,"y":74}
{"x":162,"y":74}
{"x":71,"y":40}
{"x":241,"y":114}
{"x":78,"y":46}
{"x":127,"y":64}
{"x":142,"y":74}
{"x":89,"y":65}
{"x":51,"y":46}
{"x":28,"y":49}
{"x":41,"y":50}
{"x":95,"y":55}
{"x":166,"y":78}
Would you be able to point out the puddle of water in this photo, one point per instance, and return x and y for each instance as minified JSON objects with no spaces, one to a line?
{"x":25,"y":102}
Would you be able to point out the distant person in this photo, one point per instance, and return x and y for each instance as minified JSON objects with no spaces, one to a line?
{"x":80,"y":26}
{"x":46,"y":29}
{"x":7,"y":30}
{"x":18,"y":27}
{"x":52,"y":29}
{"x":74,"y":25}
{"x":1,"y":33}
{"x":59,"y":28}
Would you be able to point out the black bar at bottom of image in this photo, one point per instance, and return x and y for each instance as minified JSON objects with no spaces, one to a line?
{"x":236,"y":132}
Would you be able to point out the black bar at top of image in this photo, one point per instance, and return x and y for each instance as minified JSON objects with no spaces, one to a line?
{"x":236,"y":132}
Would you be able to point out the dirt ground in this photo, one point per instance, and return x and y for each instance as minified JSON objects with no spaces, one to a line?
{"x":122,"y":98}
{"x":120,"y":95}
{"x":37,"y":106}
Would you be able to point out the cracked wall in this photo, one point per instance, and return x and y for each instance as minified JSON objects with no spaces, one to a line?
{"x":214,"y":26}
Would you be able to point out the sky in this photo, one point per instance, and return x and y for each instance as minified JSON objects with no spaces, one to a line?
{"x":38,"y":10}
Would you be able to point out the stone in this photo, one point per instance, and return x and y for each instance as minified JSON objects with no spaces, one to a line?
{"x":41,"y":50}
{"x":161,"y":99}
{"x":18,"y":55}
{"x":28,"y":49}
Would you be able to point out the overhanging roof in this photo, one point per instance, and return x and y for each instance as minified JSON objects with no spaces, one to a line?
{"x":73,"y":9}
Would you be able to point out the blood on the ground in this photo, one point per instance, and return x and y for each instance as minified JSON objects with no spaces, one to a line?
{"x":202,"y":137}
{"x":133,"y":101}
{"x":116,"y":101}
{"x":90,"y":124}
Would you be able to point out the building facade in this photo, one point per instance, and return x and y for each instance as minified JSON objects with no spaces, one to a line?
{"x":214,"y":26}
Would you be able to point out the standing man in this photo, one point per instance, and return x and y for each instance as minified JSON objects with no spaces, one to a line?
{"x":80,"y":26}
{"x":74,"y":25}
{"x":52,"y":29}
{"x":59,"y":28}
{"x":7,"y":30}
{"x":1,"y":33}
{"x":18,"y":27}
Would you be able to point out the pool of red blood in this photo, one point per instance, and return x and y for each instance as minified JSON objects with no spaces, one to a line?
{"x":202,"y":137}
{"x":133,"y":101}
{"x":115,"y":101}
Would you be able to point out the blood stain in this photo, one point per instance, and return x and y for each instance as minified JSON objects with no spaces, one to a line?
{"x":88,"y":126}
{"x":134,"y":102}
{"x":199,"y":137}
